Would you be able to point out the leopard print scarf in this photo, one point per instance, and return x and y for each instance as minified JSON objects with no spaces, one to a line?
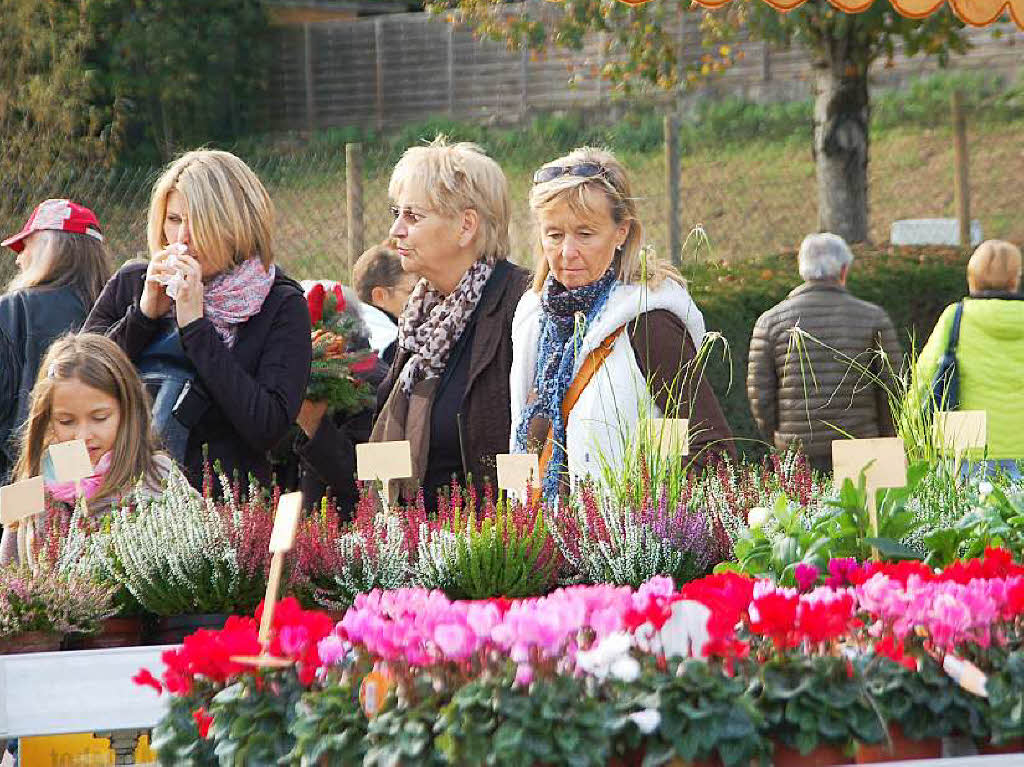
{"x":432,"y":323}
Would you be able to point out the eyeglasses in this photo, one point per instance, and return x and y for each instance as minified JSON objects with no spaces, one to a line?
{"x":407,"y":213}
{"x":583,"y":170}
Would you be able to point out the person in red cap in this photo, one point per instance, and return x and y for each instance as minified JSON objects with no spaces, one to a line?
{"x":63,"y":265}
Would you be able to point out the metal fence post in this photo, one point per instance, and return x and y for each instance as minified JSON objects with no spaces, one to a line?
{"x":307,"y":70}
{"x":354,"y":201}
{"x":672,"y":190}
{"x":961,"y":183}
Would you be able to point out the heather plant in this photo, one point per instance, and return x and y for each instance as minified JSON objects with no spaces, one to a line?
{"x":502,"y":548}
{"x":180,"y":553}
{"x":603,"y":542}
{"x":42,"y":599}
{"x":377,"y":551}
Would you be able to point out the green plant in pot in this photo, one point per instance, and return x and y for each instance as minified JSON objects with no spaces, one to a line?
{"x":252,"y":717}
{"x":691,"y":711}
{"x":402,"y":733}
{"x":1005,"y":688}
{"x":774,"y":542}
{"x":329,"y":725}
{"x":921,"y":705}
{"x":556,"y":719}
{"x":815,"y":703}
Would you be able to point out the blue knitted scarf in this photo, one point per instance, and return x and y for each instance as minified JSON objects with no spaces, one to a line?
{"x":566,"y":315}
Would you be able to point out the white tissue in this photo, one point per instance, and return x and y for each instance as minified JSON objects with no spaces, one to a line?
{"x":172,"y":283}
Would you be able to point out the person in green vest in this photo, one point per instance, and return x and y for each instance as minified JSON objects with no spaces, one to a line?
{"x":989,"y":352}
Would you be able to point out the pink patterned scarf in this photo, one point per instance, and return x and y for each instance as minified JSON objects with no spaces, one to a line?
{"x":66,"y":491}
{"x":232,"y":297}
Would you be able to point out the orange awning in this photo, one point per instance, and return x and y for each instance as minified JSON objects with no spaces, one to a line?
{"x":977,"y":13}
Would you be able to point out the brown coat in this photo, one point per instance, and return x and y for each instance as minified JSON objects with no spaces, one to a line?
{"x":797,"y":386}
{"x":486,"y":410}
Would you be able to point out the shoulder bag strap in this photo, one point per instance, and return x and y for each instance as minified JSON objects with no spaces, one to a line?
{"x":954,"y":332}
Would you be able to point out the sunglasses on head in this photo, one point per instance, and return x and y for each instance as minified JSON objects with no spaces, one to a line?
{"x":583,"y":170}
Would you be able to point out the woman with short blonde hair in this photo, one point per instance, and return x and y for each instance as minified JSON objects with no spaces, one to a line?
{"x":989,"y":350}
{"x":63,"y":263}
{"x":445,"y":389}
{"x":609,"y":334}
{"x":219,"y":334}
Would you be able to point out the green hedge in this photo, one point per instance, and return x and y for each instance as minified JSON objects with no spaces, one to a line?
{"x":913,"y":284}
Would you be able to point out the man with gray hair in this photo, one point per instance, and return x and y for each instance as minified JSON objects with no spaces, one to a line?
{"x":821,"y":361}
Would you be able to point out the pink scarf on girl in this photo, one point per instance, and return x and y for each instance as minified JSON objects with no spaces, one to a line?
{"x":66,"y":491}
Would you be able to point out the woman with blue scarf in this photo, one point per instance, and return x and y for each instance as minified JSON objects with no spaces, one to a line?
{"x":607,"y":337}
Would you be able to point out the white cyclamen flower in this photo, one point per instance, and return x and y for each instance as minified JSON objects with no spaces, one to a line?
{"x":647,"y":721}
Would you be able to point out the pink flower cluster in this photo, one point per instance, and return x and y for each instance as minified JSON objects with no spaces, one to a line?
{"x":950,"y":612}
{"x":424,"y":627}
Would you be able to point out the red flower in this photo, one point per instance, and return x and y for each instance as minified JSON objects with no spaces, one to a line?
{"x":774,"y":615}
{"x":315,"y":300}
{"x":365,"y":365}
{"x":203,"y":721}
{"x":145,"y":678}
{"x":891,"y":648}
{"x":339,"y":297}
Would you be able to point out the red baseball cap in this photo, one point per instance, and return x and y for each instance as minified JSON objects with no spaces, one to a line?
{"x":62,"y":215}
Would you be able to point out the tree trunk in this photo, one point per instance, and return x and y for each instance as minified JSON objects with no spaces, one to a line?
{"x":841,"y":112}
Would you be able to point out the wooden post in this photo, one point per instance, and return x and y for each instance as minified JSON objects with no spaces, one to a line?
{"x":354,"y":201}
{"x":307,"y":60}
{"x":524,"y":92}
{"x":961,"y":184}
{"x":672,"y":190}
{"x":451,"y":69}
{"x":378,"y":47}
{"x":766,"y":62}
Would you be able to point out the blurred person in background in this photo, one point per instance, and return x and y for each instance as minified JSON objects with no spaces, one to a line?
{"x":382,"y":284}
{"x":219,"y":333}
{"x":63,"y":264}
{"x":989,"y":352}
{"x":833,"y":380}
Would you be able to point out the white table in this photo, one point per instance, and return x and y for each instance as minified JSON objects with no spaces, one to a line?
{"x":56,"y":693}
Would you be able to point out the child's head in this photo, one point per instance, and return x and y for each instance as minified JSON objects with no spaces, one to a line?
{"x":88,"y":389}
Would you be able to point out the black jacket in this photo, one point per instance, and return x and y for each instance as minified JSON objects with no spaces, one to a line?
{"x":30,"y":320}
{"x":254,"y":388}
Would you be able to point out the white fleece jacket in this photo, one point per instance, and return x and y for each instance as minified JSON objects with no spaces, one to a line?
{"x":602,"y":424}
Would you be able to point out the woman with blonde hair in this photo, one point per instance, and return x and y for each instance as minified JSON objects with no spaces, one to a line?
{"x":63,"y":263}
{"x":989,"y":351}
{"x":608,"y":335}
{"x":218,"y":331}
{"x":87,"y":389}
{"x":448,"y":387}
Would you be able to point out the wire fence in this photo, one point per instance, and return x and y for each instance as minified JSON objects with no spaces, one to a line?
{"x":748,"y":202}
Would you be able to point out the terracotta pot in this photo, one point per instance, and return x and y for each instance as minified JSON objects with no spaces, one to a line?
{"x":825,"y":755}
{"x":1009,"y":747}
{"x":30,"y":641}
{"x":123,"y":631}
{"x":710,"y":762}
{"x":903,"y":748}
{"x":174,"y":628}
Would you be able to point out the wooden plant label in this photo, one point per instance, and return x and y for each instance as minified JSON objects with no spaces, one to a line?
{"x":883,"y":461}
{"x":518,"y":472}
{"x":672,"y":436}
{"x":70,"y":461}
{"x":286,"y":520}
{"x":282,"y":538}
{"x":373,"y":691}
{"x":958,"y":431}
{"x":383,"y":462}
{"x":967,"y":675}
{"x":20,"y":500}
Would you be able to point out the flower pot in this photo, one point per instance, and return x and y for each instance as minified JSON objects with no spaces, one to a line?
{"x":825,"y":755}
{"x":174,"y":628}
{"x":30,"y":641}
{"x":1009,"y":747}
{"x":709,"y":762}
{"x":123,"y":631}
{"x":903,"y":748}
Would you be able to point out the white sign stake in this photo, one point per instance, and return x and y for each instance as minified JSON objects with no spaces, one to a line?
{"x":883,"y":461}
{"x":517,"y":473}
{"x":71,"y":463}
{"x":957,"y":431}
{"x":20,"y":502}
{"x":383,"y":462}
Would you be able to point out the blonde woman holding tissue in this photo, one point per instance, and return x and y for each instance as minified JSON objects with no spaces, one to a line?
{"x":219,"y":334}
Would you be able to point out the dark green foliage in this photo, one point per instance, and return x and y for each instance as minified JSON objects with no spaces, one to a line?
{"x":251,"y":719}
{"x":1006,"y":699}
{"x":176,"y":738}
{"x":404,"y":734}
{"x":808,"y":701}
{"x":551,"y":722}
{"x":329,"y":724}
{"x":705,"y":715}
{"x":927,"y":703}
